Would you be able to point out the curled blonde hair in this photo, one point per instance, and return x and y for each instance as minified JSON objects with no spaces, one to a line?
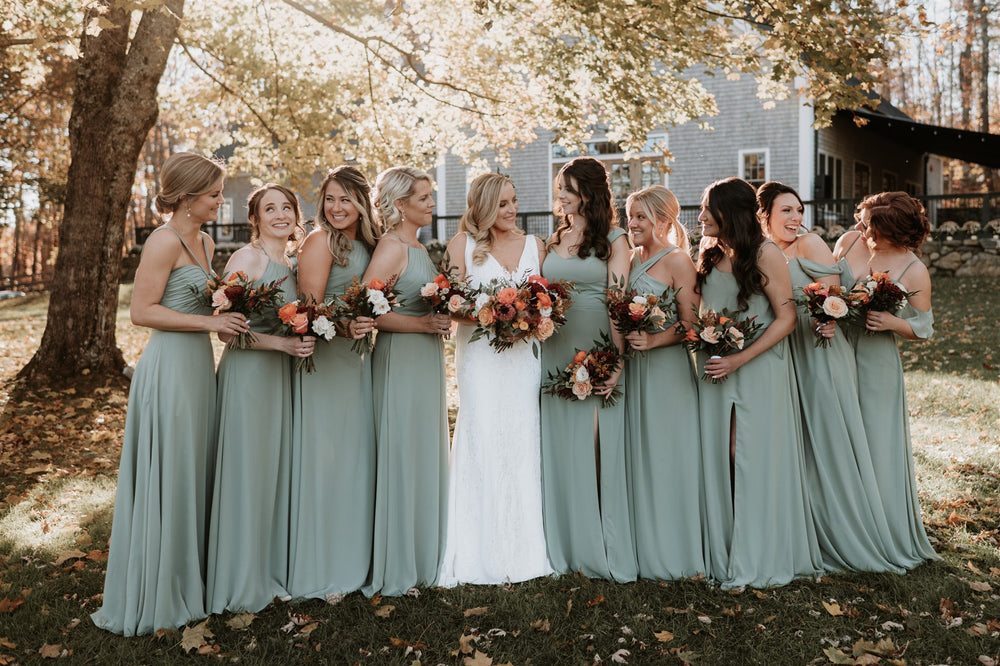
{"x":359,"y":193}
{"x":482,"y":212}
{"x":186,"y":175}
{"x":395,"y":183}
{"x":660,"y":205}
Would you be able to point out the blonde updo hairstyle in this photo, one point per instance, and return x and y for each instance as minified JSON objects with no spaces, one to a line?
{"x":391,"y":185}
{"x":186,"y":176}
{"x":661,"y":207}
{"x":359,"y":193}
{"x":482,"y":212}
{"x":253,"y":211}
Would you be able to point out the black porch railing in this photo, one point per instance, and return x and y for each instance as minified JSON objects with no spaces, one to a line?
{"x":958,"y":208}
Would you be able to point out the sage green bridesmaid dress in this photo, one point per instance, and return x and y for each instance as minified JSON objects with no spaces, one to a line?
{"x":411,"y":431}
{"x":156,"y":563}
{"x":248,"y":530}
{"x":585,"y":505}
{"x":851,"y":526}
{"x":882,"y":395}
{"x":333,"y":461}
{"x":761,"y":532}
{"x":663,"y":451}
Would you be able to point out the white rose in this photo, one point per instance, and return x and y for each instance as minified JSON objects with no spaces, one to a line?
{"x":380,"y":305}
{"x":481,"y":300}
{"x":639,"y":298}
{"x":835,"y":307}
{"x":545,"y":312}
{"x":324,"y":328}
{"x":581,"y":374}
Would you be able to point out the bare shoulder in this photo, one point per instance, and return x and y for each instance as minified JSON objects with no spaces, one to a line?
{"x":845,"y":242}
{"x":249,"y":260}
{"x":811,"y":246}
{"x":456,"y":246}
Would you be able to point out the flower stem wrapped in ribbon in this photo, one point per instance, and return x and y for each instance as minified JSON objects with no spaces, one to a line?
{"x":307,"y":317}
{"x":236,"y":293}
{"x":532,"y":309}
{"x":366,"y":300}
{"x":632,"y":312}
{"x":823,"y":303}
{"x":875,"y":293}
{"x":719,"y":334}
{"x":588,"y":370}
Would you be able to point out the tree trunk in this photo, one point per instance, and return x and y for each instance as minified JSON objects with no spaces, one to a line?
{"x":114,"y":106}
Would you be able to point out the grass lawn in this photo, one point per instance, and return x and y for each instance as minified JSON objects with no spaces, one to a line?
{"x":58,"y":459}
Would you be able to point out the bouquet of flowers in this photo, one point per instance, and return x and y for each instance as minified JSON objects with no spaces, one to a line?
{"x":587,"y":369}
{"x":448,"y":295}
{"x":236,"y":293}
{"x":823,"y":304}
{"x":631,"y":311}
{"x":719,"y":334}
{"x":875,"y":293}
{"x":308,"y":318}
{"x":366,"y":300}
{"x":531,"y":309}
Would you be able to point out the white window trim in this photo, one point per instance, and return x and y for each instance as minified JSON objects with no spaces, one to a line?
{"x":748,"y":151}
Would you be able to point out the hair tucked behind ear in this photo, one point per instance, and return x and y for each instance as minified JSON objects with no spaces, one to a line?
{"x":359,"y":192}
{"x":482,"y":212}
{"x":661,"y":207}
{"x":392,"y":185}
{"x":597,"y":206}
{"x":186,"y":175}
{"x":896,"y":217}
{"x":732,"y":202}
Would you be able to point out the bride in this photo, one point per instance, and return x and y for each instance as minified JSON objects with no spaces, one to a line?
{"x":494,"y":532}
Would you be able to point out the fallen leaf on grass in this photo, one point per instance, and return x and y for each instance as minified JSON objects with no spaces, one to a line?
{"x":889,"y":625}
{"x":620,"y":656}
{"x":465,"y":644}
{"x":599,"y":599}
{"x":980,"y":586}
{"x":837,"y":657}
{"x":50,"y":651}
{"x":98,"y":556}
{"x":5,"y":642}
{"x":833,"y":609}
{"x":979,"y":629}
{"x":541,"y":625}
{"x":478,"y":659}
{"x":241,"y":621}
{"x":384,"y":611}
{"x":704,"y":619}
{"x":987,"y":661}
{"x":970,"y":565}
{"x":478,"y":610}
{"x":194,"y":638}
{"x":8,"y":605}
{"x":663,"y":636}
{"x":867,"y":660}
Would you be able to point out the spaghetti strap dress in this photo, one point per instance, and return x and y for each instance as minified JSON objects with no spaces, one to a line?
{"x":585,"y":501}
{"x":759,"y":529}
{"x":156,"y":560}
{"x":411,"y":431}
{"x":663,"y":451}
{"x":248,"y":530}
{"x":851,"y":526}
{"x":882,"y":396}
{"x":333,"y":461}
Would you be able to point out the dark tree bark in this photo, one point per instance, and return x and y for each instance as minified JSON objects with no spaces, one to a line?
{"x":114,"y":107}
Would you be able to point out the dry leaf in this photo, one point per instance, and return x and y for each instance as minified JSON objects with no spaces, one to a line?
{"x":8,"y":605}
{"x":541,"y":625}
{"x":987,"y":661}
{"x":599,"y":599}
{"x":973,"y":568}
{"x":50,"y":651}
{"x":67,"y":555}
{"x":241,"y":621}
{"x":478,"y":659}
{"x":4,"y":642}
{"x":620,"y":656}
{"x":837,"y":657}
{"x":979,"y":629}
{"x":98,"y":556}
{"x":466,"y":643}
{"x":569,"y":606}
{"x":478,"y":610}
{"x":833,"y":609}
{"x":384,"y":611}
{"x":663,"y":636}
{"x":196,"y":636}
{"x":980,"y":586}
{"x":867,"y":660}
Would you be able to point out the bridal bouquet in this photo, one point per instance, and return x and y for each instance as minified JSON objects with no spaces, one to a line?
{"x":366,"y":300}
{"x":631,"y":311}
{"x":720,"y":334}
{"x":301,"y":317}
{"x":823,"y":304}
{"x":448,"y":295}
{"x":532,"y":309}
{"x":588,"y":369}
{"x":875,"y":293}
{"x":236,"y":293}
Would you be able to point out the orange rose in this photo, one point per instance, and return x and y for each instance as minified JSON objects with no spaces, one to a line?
{"x":300,"y":323}
{"x":691,"y":335}
{"x":287,"y":312}
{"x":878,"y":276}
{"x":442,"y":282}
{"x":544,"y":301}
{"x":507,"y":295}
{"x":580,"y":357}
{"x":724,"y":320}
{"x":519,"y":305}
{"x":376,"y":284}
{"x":238,"y":275}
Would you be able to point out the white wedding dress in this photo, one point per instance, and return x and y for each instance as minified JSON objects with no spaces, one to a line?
{"x":494,"y":532}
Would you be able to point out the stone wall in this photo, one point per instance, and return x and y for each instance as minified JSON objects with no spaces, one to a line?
{"x":952,"y":255}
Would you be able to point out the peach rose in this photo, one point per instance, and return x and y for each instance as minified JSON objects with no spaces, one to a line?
{"x":835,"y":307}
{"x":710,"y":335}
{"x":582,"y":389}
{"x":539,"y":280}
{"x":486,"y":316}
{"x":429,"y":289}
{"x":219,"y":300}
{"x":376,"y":284}
{"x":300,"y":323}
{"x":545,"y":329}
{"x":636,"y":311}
{"x":455,"y":303}
{"x":507,"y":295}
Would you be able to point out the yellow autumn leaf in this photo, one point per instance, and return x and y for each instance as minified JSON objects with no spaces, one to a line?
{"x":196,"y":636}
{"x":50,"y":651}
{"x":980,"y":586}
{"x":663,"y":636}
{"x":837,"y":657}
{"x":540,"y":625}
{"x":833,"y":609}
{"x":478,"y":659}
{"x":478,"y":610}
{"x":384,"y":611}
